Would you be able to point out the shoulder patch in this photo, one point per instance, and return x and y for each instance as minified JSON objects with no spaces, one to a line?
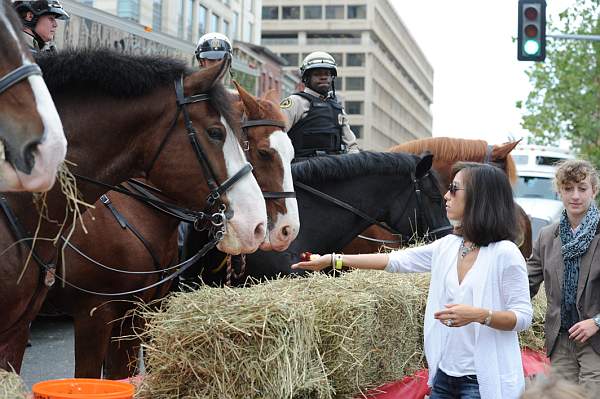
{"x":286,"y":103}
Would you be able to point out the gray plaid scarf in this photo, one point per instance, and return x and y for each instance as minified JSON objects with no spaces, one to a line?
{"x":573,"y":248}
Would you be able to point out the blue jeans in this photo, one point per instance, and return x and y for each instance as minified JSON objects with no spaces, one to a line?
{"x":448,"y":387}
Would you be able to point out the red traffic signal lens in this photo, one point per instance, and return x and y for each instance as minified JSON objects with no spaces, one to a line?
{"x":531,"y":13}
{"x":531,"y":31}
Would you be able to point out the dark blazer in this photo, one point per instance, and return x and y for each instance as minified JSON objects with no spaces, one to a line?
{"x":546,"y":265}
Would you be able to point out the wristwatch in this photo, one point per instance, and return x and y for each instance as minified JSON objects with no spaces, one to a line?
{"x":597,"y":319}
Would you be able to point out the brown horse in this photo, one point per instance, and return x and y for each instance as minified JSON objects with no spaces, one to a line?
{"x":124,"y":119}
{"x":32,"y":141}
{"x":448,"y":151}
{"x":146,"y":241}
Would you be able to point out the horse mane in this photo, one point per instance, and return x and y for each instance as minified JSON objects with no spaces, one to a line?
{"x":121,"y":76}
{"x":365,"y":163}
{"x":107,"y":71}
{"x":446,"y":148}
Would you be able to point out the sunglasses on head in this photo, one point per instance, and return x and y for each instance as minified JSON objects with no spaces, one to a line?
{"x":453,"y":188}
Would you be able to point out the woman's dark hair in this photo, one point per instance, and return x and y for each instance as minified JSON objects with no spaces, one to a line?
{"x":490,"y":213}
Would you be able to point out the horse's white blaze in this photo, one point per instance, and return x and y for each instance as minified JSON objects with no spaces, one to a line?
{"x":53,"y":147}
{"x":245,"y":200}
{"x":285,"y":228}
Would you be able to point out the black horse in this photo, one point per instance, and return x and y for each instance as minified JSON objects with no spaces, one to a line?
{"x":393,"y":188}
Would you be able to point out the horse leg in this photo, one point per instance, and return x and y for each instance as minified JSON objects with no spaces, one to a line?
{"x":13,"y":347}
{"x":122,"y":356}
{"x":92,"y":335}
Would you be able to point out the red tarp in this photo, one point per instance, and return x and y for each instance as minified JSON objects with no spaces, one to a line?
{"x":415,"y":386}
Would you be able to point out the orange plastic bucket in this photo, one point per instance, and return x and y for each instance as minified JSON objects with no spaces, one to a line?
{"x":83,"y":388}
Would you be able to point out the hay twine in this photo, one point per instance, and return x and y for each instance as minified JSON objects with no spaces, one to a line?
{"x":12,"y":386}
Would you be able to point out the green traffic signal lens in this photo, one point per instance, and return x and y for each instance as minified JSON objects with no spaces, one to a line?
{"x":531,"y":47}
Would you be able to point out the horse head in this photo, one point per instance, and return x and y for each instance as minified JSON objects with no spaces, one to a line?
{"x":425,"y":204}
{"x":270,"y":152}
{"x":215,"y":153}
{"x":32,"y":140}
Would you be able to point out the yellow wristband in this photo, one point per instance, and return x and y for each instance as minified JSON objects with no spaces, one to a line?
{"x":338,"y":262}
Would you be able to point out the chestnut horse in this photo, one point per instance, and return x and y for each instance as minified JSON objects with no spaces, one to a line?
{"x":140,"y":241}
{"x":447,"y":152}
{"x":32,"y":142}
{"x":125,"y":117}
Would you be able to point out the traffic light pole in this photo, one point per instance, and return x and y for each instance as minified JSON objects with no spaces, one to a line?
{"x":591,"y":38}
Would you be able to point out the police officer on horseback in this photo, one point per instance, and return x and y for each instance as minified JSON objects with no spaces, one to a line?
{"x":212,"y":48}
{"x":39,"y":22}
{"x":317,"y":123}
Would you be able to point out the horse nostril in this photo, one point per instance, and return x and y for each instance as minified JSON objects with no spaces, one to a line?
{"x":285,"y":231}
{"x":259,"y":231}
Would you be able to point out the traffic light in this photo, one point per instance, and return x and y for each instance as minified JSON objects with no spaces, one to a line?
{"x":531,"y":42}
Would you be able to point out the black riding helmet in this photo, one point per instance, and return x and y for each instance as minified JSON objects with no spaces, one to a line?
{"x":39,"y":8}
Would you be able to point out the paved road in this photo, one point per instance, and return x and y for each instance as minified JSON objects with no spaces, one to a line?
{"x":51,"y":354}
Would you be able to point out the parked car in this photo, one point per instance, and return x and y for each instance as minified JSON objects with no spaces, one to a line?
{"x":534,"y":190}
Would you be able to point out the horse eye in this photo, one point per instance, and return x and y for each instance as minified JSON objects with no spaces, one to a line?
{"x":215,"y":133}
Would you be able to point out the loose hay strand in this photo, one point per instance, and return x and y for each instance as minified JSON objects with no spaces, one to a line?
{"x":12,"y":386}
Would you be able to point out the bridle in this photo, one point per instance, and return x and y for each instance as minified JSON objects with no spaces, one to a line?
{"x":219,"y":219}
{"x":420,"y":214}
{"x":246,"y":146}
{"x":17,"y":75}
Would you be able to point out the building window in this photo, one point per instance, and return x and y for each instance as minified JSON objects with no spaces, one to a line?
{"x":354,"y":107}
{"x":355,"y":83}
{"x":339,"y":58}
{"x":234,"y":27}
{"x":157,"y":15}
{"x":357,"y":12}
{"x":290,"y":12}
{"x":87,"y":2}
{"x":189,"y":27}
{"x":270,"y":12}
{"x":355,"y":59}
{"x":129,"y":9}
{"x":357,"y":130}
{"x":214,"y":23}
{"x":313,"y":12}
{"x":248,"y":32}
{"x":334,"y":12}
{"x":291,"y":58}
{"x":339,"y":84}
{"x":180,"y":19}
{"x":226,"y":28}
{"x":201,"y":20}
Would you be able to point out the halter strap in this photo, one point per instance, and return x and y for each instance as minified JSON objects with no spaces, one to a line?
{"x":17,"y":75}
{"x":267,"y":122}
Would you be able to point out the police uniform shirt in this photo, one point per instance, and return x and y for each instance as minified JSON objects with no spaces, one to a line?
{"x":33,"y":44}
{"x":295,"y":108}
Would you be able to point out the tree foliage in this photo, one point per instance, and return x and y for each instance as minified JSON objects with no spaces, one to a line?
{"x":565,"y":101}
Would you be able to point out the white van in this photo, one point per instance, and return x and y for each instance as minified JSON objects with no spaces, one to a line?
{"x":534,"y":190}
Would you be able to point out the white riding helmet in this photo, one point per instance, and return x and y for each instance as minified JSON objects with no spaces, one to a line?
{"x":318,"y":59}
{"x":213,"y":46}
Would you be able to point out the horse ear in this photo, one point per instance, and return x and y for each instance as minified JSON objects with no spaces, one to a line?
{"x":273,"y":96}
{"x":205,"y":79}
{"x":501,"y":151}
{"x":252,"y":106}
{"x":424,"y":165}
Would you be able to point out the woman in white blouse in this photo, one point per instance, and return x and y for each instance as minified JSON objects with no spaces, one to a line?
{"x":479,"y":293}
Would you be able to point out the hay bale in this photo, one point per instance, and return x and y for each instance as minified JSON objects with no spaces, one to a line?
{"x":534,"y":337}
{"x":316,"y":337}
{"x":12,"y":386}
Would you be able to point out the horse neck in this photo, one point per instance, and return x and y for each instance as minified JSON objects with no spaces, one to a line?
{"x":328,"y":227}
{"x":108,"y":141}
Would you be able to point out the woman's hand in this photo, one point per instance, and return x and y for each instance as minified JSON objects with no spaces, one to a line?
{"x":456,"y":315}
{"x":583,"y":330}
{"x":320,"y":263}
